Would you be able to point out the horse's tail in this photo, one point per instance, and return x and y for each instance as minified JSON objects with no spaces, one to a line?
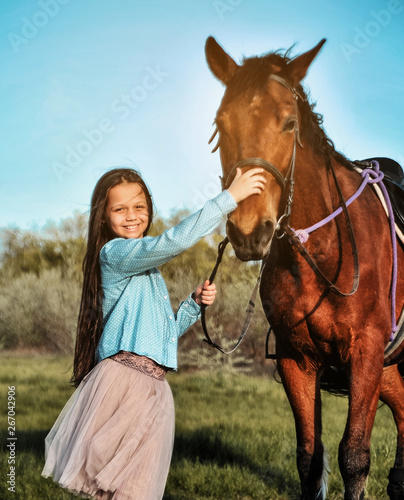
{"x":322,"y":493}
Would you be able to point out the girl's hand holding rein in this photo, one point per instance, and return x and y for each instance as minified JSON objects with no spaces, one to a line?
{"x":247,"y":183}
{"x":205,"y":293}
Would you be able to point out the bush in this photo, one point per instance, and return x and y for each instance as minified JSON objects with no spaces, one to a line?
{"x":39,"y":311}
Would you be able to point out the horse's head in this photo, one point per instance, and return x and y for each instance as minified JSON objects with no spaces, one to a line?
{"x":258,"y":118}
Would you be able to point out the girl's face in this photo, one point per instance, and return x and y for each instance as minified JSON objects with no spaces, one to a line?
{"x":126,"y":213}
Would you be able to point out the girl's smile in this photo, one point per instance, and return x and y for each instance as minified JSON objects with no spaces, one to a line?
{"x":126,"y":212}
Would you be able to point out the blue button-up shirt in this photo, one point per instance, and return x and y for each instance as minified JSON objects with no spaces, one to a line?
{"x":137,"y":314}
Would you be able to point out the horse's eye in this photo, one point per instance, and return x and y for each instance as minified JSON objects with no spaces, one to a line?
{"x":289,"y":126}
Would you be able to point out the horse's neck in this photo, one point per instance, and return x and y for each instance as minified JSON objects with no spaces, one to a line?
{"x":314,"y":192}
{"x":315,"y":198}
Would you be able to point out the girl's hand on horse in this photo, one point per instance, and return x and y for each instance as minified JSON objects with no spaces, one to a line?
{"x":205,"y":293}
{"x":247,"y":183}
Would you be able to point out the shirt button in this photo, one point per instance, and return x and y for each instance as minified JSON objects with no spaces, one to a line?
{"x":165,"y":296}
{"x":170,"y":317}
{"x":173,"y":339}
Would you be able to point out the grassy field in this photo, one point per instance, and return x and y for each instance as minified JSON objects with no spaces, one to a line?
{"x":235,"y":435}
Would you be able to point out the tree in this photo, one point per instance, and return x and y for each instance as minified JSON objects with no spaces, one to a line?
{"x":60,"y":246}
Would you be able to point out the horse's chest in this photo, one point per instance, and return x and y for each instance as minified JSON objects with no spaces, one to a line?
{"x":299,"y":315}
{"x":282,"y":296}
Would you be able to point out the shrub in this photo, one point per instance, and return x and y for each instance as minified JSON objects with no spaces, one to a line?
{"x":39,"y":311}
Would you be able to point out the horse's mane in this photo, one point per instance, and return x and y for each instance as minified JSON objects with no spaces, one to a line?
{"x":253,"y":75}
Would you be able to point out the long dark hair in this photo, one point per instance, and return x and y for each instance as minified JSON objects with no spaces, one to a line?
{"x":89,"y":326}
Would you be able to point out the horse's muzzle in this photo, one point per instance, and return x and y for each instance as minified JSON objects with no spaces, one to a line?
{"x":254,"y":246}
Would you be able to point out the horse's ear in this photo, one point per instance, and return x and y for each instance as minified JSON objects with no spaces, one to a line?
{"x":299,"y":66}
{"x":219,"y":62}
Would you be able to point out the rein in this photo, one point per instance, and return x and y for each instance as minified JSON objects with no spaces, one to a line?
{"x":296,"y":240}
{"x":371,"y":174}
{"x":249,"y":310}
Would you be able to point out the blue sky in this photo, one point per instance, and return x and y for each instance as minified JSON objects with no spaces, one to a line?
{"x":88,"y":85}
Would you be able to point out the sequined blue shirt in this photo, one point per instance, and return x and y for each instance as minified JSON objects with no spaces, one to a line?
{"x":137,"y":315}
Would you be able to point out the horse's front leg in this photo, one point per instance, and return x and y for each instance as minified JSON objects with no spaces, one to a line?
{"x":303,"y":390}
{"x":354,"y":449}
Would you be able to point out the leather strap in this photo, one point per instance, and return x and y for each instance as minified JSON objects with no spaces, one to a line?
{"x":294,"y":240}
{"x":249,"y":311}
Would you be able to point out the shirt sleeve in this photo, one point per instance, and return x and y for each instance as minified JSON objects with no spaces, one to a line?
{"x":188,"y":313}
{"x":132,"y":256}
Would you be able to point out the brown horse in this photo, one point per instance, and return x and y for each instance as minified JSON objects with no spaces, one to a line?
{"x":265,"y":115}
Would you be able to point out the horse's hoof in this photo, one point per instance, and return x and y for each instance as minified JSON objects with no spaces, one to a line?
{"x":395,"y":488}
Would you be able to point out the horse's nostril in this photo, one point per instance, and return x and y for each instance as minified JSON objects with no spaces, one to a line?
{"x":264,"y":233}
{"x":257,"y":240}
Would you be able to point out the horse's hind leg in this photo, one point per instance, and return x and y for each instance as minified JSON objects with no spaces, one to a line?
{"x":303,"y":391}
{"x":392,"y":393}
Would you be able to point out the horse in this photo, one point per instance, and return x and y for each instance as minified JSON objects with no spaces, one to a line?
{"x":338,"y":317}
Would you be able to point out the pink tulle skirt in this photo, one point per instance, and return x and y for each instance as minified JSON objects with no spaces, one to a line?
{"x":114,"y":437}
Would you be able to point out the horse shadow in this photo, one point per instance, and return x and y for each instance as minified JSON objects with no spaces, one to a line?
{"x":206,"y":446}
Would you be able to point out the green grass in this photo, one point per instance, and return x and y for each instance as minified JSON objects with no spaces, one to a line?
{"x":235,"y":435}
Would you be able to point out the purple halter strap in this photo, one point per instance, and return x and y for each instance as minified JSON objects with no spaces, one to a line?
{"x":370,"y":176}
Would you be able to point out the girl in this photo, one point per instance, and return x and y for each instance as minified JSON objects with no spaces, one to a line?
{"x":114,"y":438}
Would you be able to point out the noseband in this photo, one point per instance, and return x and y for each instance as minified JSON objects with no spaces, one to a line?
{"x":285,"y":182}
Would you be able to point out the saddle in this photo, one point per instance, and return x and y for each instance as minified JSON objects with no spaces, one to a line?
{"x":394,"y":182}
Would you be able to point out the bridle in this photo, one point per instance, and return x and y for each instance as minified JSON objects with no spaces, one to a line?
{"x":285,"y":182}
{"x":282,"y":227}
